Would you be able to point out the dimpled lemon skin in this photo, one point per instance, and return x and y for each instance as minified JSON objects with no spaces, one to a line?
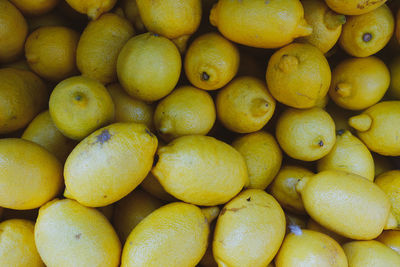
{"x":211,"y":61}
{"x":108,"y":164}
{"x":80,"y":105}
{"x":345,"y":203}
{"x":51,"y":52}
{"x":391,"y":238}
{"x":12,"y":33}
{"x":201,"y":170}
{"x":389,"y":182}
{"x":364,"y":35}
{"x":259,"y":23}
{"x":245,"y":105}
{"x":17,"y":244}
{"x":358,"y":83}
{"x":283,"y":187}
{"x":186,"y":111}
{"x":353,"y":7}
{"x":181,"y":239}
{"x":349,"y":154}
{"x":29,"y":175}
{"x":99,"y":46}
{"x":35,"y":7}
{"x":149,"y":66}
{"x":370,"y":254}
{"x":68,"y":234}
{"x":310,"y":248}
{"x":249,"y":230}
{"x":298,"y":75}
{"x":262,"y":155}
{"x":307,"y":134}
{"x":170,"y":18}
{"x":92,"y":8}
{"x":382,"y":131}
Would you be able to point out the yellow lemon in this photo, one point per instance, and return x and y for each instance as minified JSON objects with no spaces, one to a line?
{"x":35,"y":7}
{"x":260,"y":23}
{"x":349,"y":154}
{"x":108,"y":164}
{"x":201,"y":170}
{"x":17,"y":244}
{"x":366,"y":34}
{"x":170,"y":18}
{"x":152,"y":186}
{"x":354,"y":7}
{"x":69,"y":234}
{"x":379,"y":127}
{"x":149,"y":66}
{"x":298,"y":75}
{"x":358,"y":83}
{"x":283,"y":187}
{"x":307,"y":134}
{"x":345,"y":203}
{"x":92,"y":8}
{"x":394,"y":89}
{"x":129,"y":109}
{"x":42,"y":131}
{"x":313,"y":225}
{"x":340,"y":116}
{"x":30,"y":175}
{"x":183,"y":241}
{"x":131,"y":12}
{"x":211,"y":61}
{"x":99,"y":46}
{"x":245,"y":105}
{"x":262,"y":155}
{"x":326,"y":24}
{"x":131,"y":210}
{"x":80,"y":105}
{"x":12,"y":33}
{"x":51,"y":51}
{"x":310,"y":248}
{"x":391,"y":238}
{"x":186,"y":111}
{"x":249,"y":231}
{"x":370,"y":254}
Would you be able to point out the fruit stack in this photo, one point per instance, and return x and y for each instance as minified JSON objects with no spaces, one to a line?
{"x":182,"y":133}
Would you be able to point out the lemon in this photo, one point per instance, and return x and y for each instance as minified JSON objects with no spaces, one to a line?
{"x":313,"y":225}
{"x":310,"y":248}
{"x":260,"y":23}
{"x":152,"y":186}
{"x":354,"y":7}
{"x":92,"y":8}
{"x":131,"y":12}
{"x":17,"y":244}
{"x":340,"y":116}
{"x":262,"y":155}
{"x":69,"y":234}
{"x":211,"y":61}
{"x":186,"y":111}
{"x":307,"y":134}
{"x":349,"y":154}
{"x":183,"y":241}
{"x":35,"y":7}
{"x":108,"y":164}
{"x":358,"y":83}
{"x":394,"y":89}
{"x":256,"y":219}
{"x":245,"y":105}
{"x":79,"y":105}
{"x":370,"y":254}
{"x":366,"y":34}
{"x":298,"y":75}
{"x":379,"y":127}
{"x":391,"y":238}
{"x":149,"y":66}
{"x":29,"y":175}
{"x":99,"y":46}
{"x":201,"y":170}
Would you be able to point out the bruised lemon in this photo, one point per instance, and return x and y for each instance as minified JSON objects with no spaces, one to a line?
{"x":119,"y":155}
{"x":186,"y":111}
{"x":245,"y":105}
{"x":259,"y":23}
{"x":391,"y":238}
{"x":298,"y":75}
{"x":211,"y":61}
{"x":354,"y":7}
{"x":201,"y":170}
{"x":92,"y":8}
{"x":35,"y":7}
{"x":358,"y":83}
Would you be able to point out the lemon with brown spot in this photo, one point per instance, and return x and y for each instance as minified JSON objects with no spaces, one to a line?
{"x":298,"y":75}
{"x":88,"y":239}
{"x":35,"y":7}
{"x":260,"y":23}
{"x":79,"y":105}
{"x":354,"y":7}
{"x":390,"y":238}
{"x":92,"y":8}
{"x":249,"y":231}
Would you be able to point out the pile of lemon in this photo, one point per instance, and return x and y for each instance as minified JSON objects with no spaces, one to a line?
{"x":184,"y":133}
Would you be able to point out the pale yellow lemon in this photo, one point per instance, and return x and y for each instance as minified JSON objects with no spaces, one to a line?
{"x":92,"y":8}
{"x":391,"y":238}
